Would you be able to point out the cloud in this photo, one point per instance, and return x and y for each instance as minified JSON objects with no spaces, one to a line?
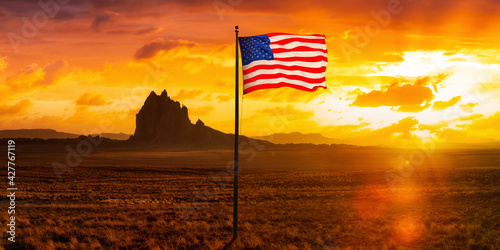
{"x":490,"y":122}
{"x":18,"y":108}
{"x":223,"y":98}
{"x":187,"y":94}
{"x":91,"y":99}
{"x":148,"y":31}
{"x":468,"y":107}
{"x":51,"y":70}
{"x":413,"y":108}
{"x":33,"y":76}
{"x":207,"y":98}
{"x":407,"y":97}
{"x":342,"y":131}
{"x":441,"y":105}
{"x":160,"y":45}
{"x":289,"y":112}
{"x":3,"y":63}
{"x":406,"y":94}
{"x":201,"y":111}
{"x":397,"y":134}
{"x":439,"y":126}
{"x":103,"y":19}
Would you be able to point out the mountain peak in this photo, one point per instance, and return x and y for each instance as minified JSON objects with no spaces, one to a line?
{"x":161,"y":119}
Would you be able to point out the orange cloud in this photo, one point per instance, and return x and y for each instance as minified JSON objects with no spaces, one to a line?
{"x":396,"y":134}
{"x":441,"y":105}
{"x":187,"y":94}
{"x":289,"y":112}
{"x":3,"y":63}
{"x":407,"y":97}
{"x":406,"y":94}
{"x":436,"y":127}
{"x":91,"y":99}
{"x":207,"y":98}
{"x":32,"y":76}
{"x":223,"y":98}
{"x":201,"y":111}
{"x":18,"y":108}
{"x":342,"y":131}
{"x":156,"y":46}
{"x":413,"y":108}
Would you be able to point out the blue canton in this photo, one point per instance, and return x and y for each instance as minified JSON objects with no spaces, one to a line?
{"x":255,"y":48}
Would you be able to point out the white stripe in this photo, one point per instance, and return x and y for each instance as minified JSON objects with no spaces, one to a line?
{"x":282,"y":37}
{"x":285,"y":80}
{"x":299,"y":54}
{"x":296,"y":63}
{"x":298,"y":44}
{"x":284,"y":71}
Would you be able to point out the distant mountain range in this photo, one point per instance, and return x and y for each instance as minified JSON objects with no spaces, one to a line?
{"x":297,"y":137}
{"x":53,"y":134}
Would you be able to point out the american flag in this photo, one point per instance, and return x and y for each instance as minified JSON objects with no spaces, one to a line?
{"x":277,"y":60}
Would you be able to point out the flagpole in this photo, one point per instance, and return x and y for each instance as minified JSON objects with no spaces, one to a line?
{"x":236,"y":137}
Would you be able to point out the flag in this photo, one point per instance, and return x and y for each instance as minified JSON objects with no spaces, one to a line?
{"x":277,"y":60}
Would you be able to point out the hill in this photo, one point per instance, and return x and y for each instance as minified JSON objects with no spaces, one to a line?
{"x":53,"y":134}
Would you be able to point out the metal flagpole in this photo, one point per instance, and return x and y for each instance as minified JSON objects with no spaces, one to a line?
{"x":236,"y":137}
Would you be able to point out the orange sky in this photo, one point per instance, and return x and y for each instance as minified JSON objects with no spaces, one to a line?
{"x":399,"y":72}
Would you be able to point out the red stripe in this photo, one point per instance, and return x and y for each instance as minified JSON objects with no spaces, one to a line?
{"x":279,"y":75}
{"x":302,"y":40}
{"x":303,"y":59}
{"x":288,"y":34}
{"x":298,"y":49}
{"x":295,"y":67}
{"x":279,"y":85}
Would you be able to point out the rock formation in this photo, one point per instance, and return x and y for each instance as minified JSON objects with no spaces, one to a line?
{"x":164,"y":121}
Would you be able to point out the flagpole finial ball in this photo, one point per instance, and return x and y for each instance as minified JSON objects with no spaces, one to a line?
{"x":236,"y":27}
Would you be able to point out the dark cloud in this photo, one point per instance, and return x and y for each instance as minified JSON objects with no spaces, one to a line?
{"x":154,"y":47}
{"x":147,"y":31}
{"x":102,"y":19}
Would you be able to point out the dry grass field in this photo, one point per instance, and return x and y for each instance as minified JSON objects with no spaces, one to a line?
{"x":289,"y":199}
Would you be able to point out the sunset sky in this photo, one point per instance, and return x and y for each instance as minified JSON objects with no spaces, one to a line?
{"x":399,"y":72}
